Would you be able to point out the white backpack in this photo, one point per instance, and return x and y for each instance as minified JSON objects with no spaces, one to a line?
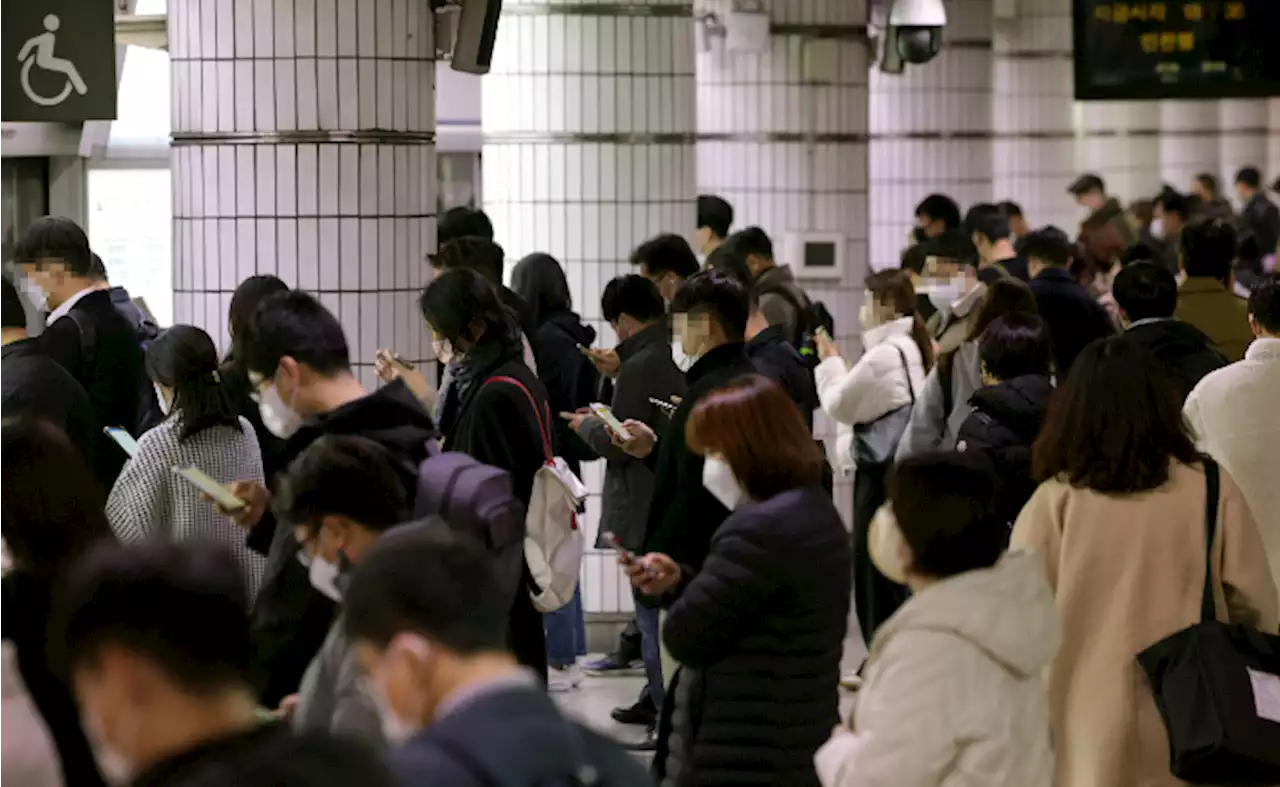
{"x":553,"y":542}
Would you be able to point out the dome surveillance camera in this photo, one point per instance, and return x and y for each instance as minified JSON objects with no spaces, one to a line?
{"x":917,"y":29}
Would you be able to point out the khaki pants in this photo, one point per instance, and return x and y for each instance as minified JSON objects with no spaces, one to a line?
{"x":669,"y":665}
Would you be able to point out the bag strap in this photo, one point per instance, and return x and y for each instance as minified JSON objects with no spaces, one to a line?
{"x":543,"y":431}
{"x":88,"y":343}
{"x":906,"y":369}
{"x":1211,"y":481}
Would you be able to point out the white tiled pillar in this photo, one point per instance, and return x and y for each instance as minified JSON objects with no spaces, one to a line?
{"x":588,"y":120}
{"x":303,"y":146}
{"x":1273,"y":138}
{"x":1033,"y":152}
{"x":1189,"y":142}
{"x":1118,"y":140}
{"x":931,"y":130}
{"x":1242,"y":140}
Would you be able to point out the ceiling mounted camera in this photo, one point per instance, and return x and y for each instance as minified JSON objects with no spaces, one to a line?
{"x":916,"y":29}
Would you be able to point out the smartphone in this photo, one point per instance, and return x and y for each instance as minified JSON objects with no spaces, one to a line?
{"x":123,"y":439}
{"x":606,"y":415}
{"x":668,"y":408}
{"x":201,"y":480}
{"x":611,"y":541}
{"x":820,"y":331}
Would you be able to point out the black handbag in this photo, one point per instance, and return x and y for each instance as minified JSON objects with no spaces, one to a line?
{"x":1217,"y":687}
{"x":875,"y":442}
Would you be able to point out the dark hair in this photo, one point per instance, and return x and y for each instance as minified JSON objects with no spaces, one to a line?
{"x":954,"y":245}
{"x":1142,"y":210}
{"x":463,"y":222}
{"x":97,"y":268}
{"x":1050,"y":245}
{"x":1209,"y":181}
{"x":893,"y":288}
{"x":1173,"y":202}
{"x":296,"y":325}
{"x":765,"y":442}
{"x":53,"y":506}
{"x":1264,"y":303}
{"x":1145,"y":290}
{"x":1275,"y":185}
{"x":1138,"y":252}
{"x":1010,"y":209}
{"x":1003,"y":296}
{"x":55,"y":238}
{"x":986,"y":220}
{"x":456,"y":299}
{"x":1115,"y":423}
{"x":426,"y":579}
{"x":724,"y":297}
{"x":715,"y":214}
{"x":342,"y":475}
{"x":913,"y":258}
{"x":729,"y":259}
{"x":752,"y":241}
{"x":245,"y":301}
{"x":1249,"y":176}
{"x":12,"y":315}
{"x":666,"y":253}
{"x":1209,"y":248}
{"x":633,"y":295}
{"x":940,"y":207}
{"x":1086,"y":183}
{"x":942,"y":501}
{"x":475,"y":253}
{"x":1015,"y":345}
{"x":183,"y":358}
{"x":540,"y":281}
{"x":181,"y":605}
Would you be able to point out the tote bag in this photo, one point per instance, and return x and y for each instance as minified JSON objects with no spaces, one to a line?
{"x":1217,"y":687}
{"x":876,"y":442}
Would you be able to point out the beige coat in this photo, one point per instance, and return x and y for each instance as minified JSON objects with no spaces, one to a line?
{"x":1128,"y":571}
{"x":29,"y":759}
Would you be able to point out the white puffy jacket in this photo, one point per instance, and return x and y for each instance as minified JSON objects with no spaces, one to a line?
{"x":874,"y":386}
{"x":954,"y":693}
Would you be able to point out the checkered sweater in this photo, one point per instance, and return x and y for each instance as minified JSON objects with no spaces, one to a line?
{"x":150,"y":501}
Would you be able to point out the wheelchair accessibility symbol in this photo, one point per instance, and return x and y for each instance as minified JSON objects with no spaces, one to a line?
{"x":38,"y":51}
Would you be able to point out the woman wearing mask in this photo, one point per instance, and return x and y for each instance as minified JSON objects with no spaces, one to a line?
{"x":235,"y":377}
{"x":942,"y":404}
{"x":571,"y":381}
{"x":899,"y":353}
{"x":954,"y":694}
{"x":758,"y":628}
{"x":495,"y":410}
{"x":200,"y":430}
{"x":52,"y":516}
{"x":1119,"y":524}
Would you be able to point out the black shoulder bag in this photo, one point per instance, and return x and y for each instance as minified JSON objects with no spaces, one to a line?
{"x":876,"y":442}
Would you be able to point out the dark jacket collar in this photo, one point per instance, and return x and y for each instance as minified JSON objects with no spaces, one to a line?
{"x":651,"y":336}
{"x":21,"y":348}
{"x":770,"y":335}
{"x":722,"y":357}
{"x":178,"y":768}
{"x":1057,"y":273}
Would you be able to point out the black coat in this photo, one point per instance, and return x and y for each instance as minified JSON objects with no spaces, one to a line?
{"x":108,"y":364}
{"x":33,"y":384}
{"x":1074,"y":316}
{"x":684,"y":515}
{"x":271,"y":756}
{"x":1259,"y":223}
{"x":570,"y":379}
{"x":777,"y":360}
{"x":1006,"y":419}
{"x":510,"y":737}
{"x":1187,"y":354}
{"x":758,"y":631}
{"x":290,"y":617}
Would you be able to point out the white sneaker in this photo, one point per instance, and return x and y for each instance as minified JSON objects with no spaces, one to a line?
{"x":562,"y":679}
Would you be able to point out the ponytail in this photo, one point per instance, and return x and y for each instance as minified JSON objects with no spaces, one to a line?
{"x":920,"y":334}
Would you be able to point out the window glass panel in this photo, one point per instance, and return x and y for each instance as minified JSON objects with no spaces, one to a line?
{"x":148,"y":7}
{"x":142,"y":114}
{"x":130,"y":219}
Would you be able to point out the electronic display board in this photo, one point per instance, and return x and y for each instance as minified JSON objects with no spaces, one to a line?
{"x":1177,"y":49}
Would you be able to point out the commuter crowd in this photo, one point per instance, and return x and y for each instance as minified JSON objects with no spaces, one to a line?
{"x":1062,"y":552}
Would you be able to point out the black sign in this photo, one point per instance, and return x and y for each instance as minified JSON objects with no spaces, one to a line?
{"x":1177,"y":49}
{"x":59,"y":60}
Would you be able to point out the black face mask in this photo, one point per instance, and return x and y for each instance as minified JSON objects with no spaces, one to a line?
{"x":919,"y":235}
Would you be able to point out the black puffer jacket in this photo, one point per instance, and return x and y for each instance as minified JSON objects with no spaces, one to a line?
{"x":1185,"y":351}
{"x":758,"y":633}
{"x":1005,"y":421}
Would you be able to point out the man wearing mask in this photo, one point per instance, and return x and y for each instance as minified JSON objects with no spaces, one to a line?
{"x":1171,"y":211}
{"x":157,"y":646}
{"x":428,"y":621}
{"x":950,"y":280}
{"x":1090,"y":193}
{"x":715,"y":216}
{"x":989,"y":230}
{"x":300,"y":371}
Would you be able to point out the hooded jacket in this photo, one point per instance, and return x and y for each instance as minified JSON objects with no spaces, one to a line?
{"x":290,"y":617}
{"x":1005,"y":421}
{"x":954,"y":695}
{"x":1187,"y":354}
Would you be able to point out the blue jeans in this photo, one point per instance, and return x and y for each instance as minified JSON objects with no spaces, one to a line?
{"x":647,"y":622}
{"x":566,"y":632}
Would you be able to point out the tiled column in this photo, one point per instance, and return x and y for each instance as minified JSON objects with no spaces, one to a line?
{"x":1119,"y":141}
{"x":1188,"y":141}
{"x":931,"y":130}
{"x":1273,"y":138}
{"x":1242,"y":140}
{"x":588,"y":119}
{"x":1033,"y":152}
{"x":303,"y":146}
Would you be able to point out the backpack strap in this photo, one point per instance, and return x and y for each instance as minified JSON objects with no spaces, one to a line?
{"x":543,"y":430}
{"x":88,"y":343}
{"x":946,"y":374}
{"x":1212,"y":480}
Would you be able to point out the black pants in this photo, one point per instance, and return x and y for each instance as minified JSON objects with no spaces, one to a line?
{"x":525,"y":633}
{"x":875,"y":596}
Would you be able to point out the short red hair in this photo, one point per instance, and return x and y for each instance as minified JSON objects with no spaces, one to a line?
{"x":759,"y":432}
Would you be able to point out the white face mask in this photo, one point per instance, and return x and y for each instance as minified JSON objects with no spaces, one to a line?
{"x":886,"y":545}
{"x":324,"y":577}
{"x":38,"y":297}
{"x":280,"y":419}
{"x":115,"y":768}
{"x":718,"y":479}
{"x":443,"y":349}
{"x":1157,"y":228}
{"x":943,"y":294}
{"x":683,"y":362}
{"x":165,"y":407}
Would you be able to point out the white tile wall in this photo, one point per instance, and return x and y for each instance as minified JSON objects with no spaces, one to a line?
{"x":350,"y":222}
{"x":588,"y":120}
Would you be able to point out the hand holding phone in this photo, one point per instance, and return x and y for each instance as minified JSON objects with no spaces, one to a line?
{"x":625,"y":556}
{"x":605,"y":414}
{"x":216,"y":492}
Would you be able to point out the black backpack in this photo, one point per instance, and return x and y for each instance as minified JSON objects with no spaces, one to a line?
{"x":810,"y":316}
